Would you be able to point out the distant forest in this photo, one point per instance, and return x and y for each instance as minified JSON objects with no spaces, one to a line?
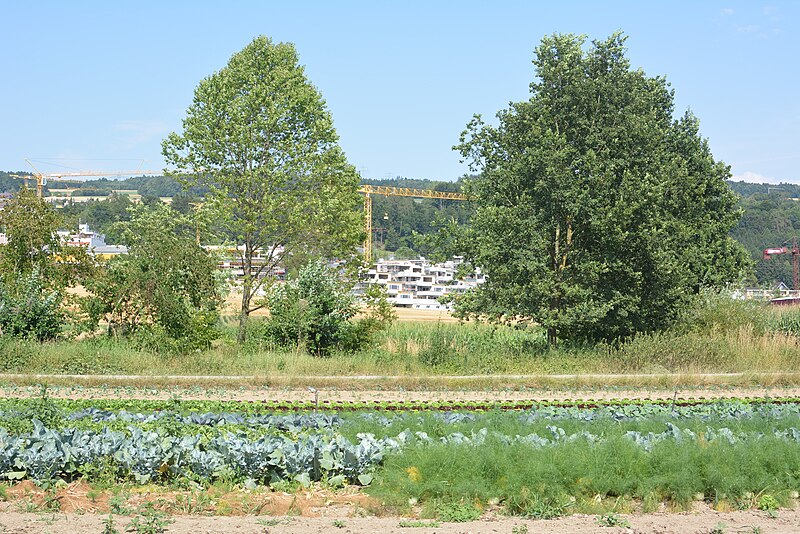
{"x":771,"y":215}
{"x":771,"y":218}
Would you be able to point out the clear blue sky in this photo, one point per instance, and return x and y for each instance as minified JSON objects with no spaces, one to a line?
{"x":107,"y":80}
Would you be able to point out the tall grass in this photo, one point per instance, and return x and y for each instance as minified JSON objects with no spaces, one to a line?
{"x":720,"y":336}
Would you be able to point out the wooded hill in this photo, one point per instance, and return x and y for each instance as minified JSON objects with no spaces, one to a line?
{"x":771,"y":218}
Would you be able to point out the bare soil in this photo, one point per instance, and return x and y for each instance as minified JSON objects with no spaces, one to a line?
{"x":79,"y":510}
{"x":700,"y":522}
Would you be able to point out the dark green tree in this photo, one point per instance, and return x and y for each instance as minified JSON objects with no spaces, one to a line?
{"x":259,"y":136}
{"x":597,"y":214}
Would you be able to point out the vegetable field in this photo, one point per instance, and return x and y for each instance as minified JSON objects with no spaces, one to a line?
{"x":531,"y":459}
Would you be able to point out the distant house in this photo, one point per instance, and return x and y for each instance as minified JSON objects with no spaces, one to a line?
{"x":94,"y":243}
{"x":417,"y":283}
{"x":231,"y":262}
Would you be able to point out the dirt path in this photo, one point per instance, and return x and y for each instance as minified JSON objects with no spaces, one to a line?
{"x":255,"y":394}
{"x":703,"y":521}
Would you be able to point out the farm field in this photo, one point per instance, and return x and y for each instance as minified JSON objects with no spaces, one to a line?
{"x":372,"y":465}
{"x":439,"y":426}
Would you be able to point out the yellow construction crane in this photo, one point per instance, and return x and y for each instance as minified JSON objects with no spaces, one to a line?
{"x":43,"y":178}
{"x":369,"y":190}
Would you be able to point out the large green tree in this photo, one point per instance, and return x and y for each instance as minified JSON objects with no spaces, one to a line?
{"x":259,"y":136}
{"x":598,"y":215}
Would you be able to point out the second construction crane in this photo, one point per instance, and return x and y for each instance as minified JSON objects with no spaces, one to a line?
{"x":369,"y":190}
{"x":42,"y":178}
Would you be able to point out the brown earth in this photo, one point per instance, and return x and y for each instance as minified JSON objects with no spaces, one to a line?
{"x":701,"y":521}
{"x":233,"y":304}
{"x":78,"y":509}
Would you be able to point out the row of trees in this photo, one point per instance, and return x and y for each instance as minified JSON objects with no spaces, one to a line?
{"x":596,"y":213}
{"x":165,"y":294}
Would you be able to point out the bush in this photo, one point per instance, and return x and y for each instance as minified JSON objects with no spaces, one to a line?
{"x":30,"y":311}
{"x":165,"y":292}
{"x":315,"y":312}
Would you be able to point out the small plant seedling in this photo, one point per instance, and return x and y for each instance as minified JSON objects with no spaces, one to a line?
{"x":457,"y":513}
{"x":419,"y":524}
{"x":612,"y":520}
{"x":149,"y":521}
{"x":720,"y":528}
{"x":339,"y":523}
{"x":520,"y":529}
{"x":108,"y":525}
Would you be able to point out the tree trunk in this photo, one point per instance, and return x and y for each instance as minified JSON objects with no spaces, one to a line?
{"x":247,"y":285}
{"x":552,"y":337}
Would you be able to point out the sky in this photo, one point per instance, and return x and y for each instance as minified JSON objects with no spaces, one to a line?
{"x":97,"y":85}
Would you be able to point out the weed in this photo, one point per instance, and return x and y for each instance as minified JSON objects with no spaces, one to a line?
{"x":768,"y":503}
{"x":193,"y":503}
{"x":26,"y":506}
{"x":118,"y":504}
{"x":149,"y":521}
{"x":457,"y":512}
{"x":419,"y":524}
{"x":720,"y":528}
{"x":520,"y":529}
{"x":253,"y":507}
{"x":108,"y":525}
{"x":613,"y":520}
{"x":338,"y":523}
{"x":274,"y":521}
{"x":51,"y":501}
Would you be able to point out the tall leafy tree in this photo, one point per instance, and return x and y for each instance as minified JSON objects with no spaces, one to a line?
{"x":259,"y":136}
{"x":597,"y":214}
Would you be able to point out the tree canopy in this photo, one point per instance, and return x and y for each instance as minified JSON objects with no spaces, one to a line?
{"x":598,"y":215}
{"x":258,"y":134}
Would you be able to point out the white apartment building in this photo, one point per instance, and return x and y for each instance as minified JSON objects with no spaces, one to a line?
{"x":93,"y":242}
{"x":417,"y":283}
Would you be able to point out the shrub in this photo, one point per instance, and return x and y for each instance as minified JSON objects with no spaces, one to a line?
{"x":316,"y":312}
{"x":28,"y":310}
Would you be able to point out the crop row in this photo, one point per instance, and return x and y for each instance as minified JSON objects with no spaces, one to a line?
{"x":200,"y":406}
{"x":152,"y":457}
{"x":295,"y":422}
